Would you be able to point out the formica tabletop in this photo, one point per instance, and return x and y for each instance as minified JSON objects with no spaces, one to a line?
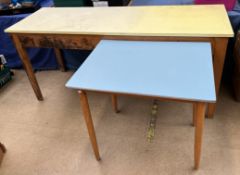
{"x":184,"y":20}
{"x":179,"y":70}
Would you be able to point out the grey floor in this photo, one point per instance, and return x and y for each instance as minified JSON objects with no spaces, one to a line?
{"x":50,"y":137}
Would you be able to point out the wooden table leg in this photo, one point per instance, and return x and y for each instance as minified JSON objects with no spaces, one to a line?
{"x":220,"y":48}
{"x":60,"y":60}
{"x":89,"y":122}
{"x":2,"y":152}
{"x":194,"y":114}
{"x":114,"y":103}
{"x":200,"y":113}
{"x":27,"y":66}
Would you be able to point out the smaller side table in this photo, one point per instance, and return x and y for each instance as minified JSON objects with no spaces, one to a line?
{"x":174,"y":71}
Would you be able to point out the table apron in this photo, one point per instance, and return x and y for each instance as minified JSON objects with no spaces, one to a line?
{"x":88,"y":42}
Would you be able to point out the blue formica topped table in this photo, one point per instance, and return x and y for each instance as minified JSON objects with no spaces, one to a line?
{"x":149,"y":69}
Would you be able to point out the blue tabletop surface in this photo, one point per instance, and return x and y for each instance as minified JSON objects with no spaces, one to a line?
{"x":180,"y":70}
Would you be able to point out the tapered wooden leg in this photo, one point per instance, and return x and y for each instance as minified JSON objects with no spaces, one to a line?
{"x":60,"y":60}
{"x":200,"y":115}
{"x":2,"y":152}
{"x":89,"y":122}
{"x":220,"y":47}
{"x":194,"y":114}
{"x":211,"y":110}
{"x":27,"y":66}
{"x":114,"y":103}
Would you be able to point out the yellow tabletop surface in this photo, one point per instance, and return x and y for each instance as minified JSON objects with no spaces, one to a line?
{"x":184,"y":20}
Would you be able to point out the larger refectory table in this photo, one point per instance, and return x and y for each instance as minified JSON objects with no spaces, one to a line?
{"x":179,"y":71}
{"x":83,"y":28}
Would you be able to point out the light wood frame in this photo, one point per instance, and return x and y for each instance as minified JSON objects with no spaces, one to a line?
{"x":198,"y":120}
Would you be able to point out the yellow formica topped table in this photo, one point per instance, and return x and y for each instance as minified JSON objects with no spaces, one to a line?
{"x":83,"y":28}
